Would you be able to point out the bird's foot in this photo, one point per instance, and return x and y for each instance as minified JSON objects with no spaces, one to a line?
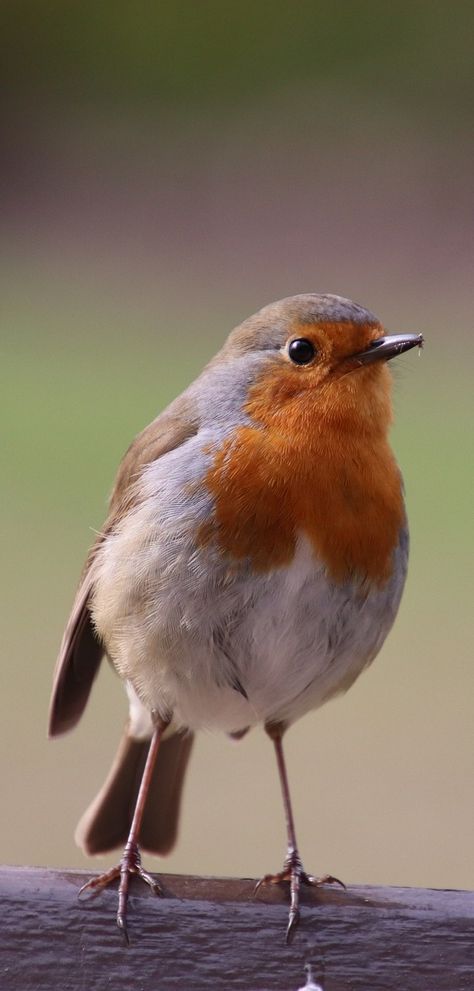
{"x":130,"y":864}
{"x":294,"y":873}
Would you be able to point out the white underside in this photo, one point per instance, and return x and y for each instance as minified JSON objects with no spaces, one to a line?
{"x":193,"y":634}
{"x":298,"y":642}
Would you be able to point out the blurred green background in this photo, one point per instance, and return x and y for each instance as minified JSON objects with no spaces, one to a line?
{"x":167,"y":170}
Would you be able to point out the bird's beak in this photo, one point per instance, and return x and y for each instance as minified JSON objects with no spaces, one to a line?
{"x":388,"y":347}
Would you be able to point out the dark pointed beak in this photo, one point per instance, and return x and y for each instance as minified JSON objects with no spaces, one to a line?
{"x":388,"y":347}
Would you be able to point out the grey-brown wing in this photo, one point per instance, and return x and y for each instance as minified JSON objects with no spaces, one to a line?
{"x":81,"y":649}
{"x":77,"y":665}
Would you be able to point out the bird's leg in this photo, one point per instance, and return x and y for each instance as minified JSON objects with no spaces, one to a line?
{"x":131,"y":859}
{"x":293,"y":870}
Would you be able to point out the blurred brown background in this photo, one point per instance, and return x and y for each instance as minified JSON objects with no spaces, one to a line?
{"x":168,"y":169}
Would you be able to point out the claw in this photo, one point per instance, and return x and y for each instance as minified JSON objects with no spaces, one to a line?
{"x":294,"y":874}
{"x":130,"y":864}
{"x":122,"y":925}
{"x":267,"y":879}
{"x":293,"y":920}
{"x":147,"y":878}
{"x":97,"y":884}
{"x":324,"y":879}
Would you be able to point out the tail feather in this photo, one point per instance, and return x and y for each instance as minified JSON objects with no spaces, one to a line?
{"x":106,"y":823}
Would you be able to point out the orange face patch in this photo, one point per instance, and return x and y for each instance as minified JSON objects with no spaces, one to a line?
{"x":317,"y":461}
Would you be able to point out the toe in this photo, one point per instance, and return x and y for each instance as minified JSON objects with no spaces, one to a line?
{"x":317,"y":882}
{"x":150,"y":881}
{"x":293,"y":920}
{"x":122,"y":925}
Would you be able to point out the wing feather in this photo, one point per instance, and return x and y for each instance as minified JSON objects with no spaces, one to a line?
{"x":81,"y":648}
{"x":77,"y":665}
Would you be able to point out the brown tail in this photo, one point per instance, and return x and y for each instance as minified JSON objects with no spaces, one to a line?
{"x":106,"y":823}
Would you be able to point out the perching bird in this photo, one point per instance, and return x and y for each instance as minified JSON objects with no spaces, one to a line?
{"x":250,"y":567}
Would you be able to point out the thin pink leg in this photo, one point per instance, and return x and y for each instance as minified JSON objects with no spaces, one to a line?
{"x":131,"y":859}
{"x":293,"y":871}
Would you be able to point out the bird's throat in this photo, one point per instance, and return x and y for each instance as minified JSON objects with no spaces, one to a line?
{"x":341,"y":487}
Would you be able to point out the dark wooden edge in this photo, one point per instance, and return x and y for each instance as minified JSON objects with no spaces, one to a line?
{"x":231,"y":889}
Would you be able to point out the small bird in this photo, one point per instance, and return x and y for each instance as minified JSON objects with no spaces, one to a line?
{"x":250,"y":566}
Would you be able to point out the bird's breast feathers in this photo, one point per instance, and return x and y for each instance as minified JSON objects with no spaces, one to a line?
{"x":230,"y":597}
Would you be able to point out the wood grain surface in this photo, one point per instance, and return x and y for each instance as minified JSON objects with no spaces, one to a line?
{"x":212,"y":933}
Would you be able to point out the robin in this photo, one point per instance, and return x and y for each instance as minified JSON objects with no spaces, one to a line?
{"x":250,"y":567}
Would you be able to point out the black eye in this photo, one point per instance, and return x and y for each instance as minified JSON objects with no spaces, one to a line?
{"x":301,"y":351}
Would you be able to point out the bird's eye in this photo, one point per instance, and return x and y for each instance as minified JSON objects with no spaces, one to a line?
{"x":301,"y":351}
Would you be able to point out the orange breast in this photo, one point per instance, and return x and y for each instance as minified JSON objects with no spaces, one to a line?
{"x":317,"y":463}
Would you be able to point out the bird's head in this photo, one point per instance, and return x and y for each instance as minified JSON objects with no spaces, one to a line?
{"x":318,"y":356}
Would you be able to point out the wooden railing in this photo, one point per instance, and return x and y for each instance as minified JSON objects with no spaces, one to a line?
{"x":212,"y":933}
